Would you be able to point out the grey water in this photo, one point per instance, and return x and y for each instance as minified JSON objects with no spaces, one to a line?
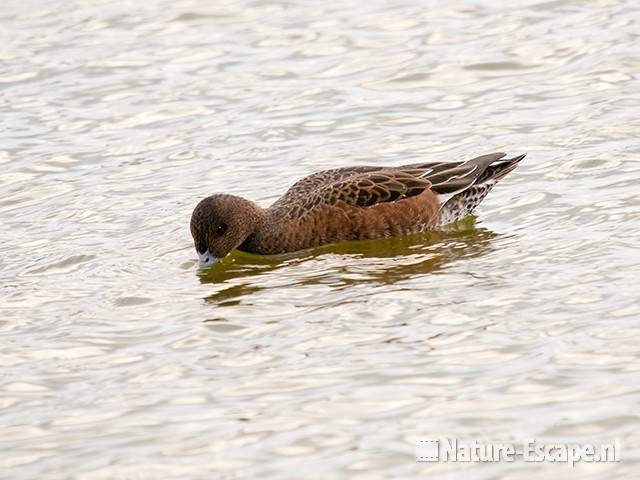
{"x":119,"y":358}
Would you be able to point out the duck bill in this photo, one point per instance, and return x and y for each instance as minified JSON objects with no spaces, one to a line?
{"x":206,"y":259}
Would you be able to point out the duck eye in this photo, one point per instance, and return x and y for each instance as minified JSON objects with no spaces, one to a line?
{"x":220,"y":229}
{"x":202,"y":247}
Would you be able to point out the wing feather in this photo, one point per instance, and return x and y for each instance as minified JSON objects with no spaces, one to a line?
{"x":367,"y":190}
{"x":367,"y":186}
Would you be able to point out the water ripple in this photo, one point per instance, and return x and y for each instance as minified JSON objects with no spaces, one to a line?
{"x":331,"y":362}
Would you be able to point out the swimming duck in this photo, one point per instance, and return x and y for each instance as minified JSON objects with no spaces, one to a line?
{"x":351,"y":203}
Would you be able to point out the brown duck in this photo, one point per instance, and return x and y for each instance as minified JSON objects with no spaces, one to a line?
{"x":351,"y":203}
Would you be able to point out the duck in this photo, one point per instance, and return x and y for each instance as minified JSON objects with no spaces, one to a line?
{"x":348,"y":203}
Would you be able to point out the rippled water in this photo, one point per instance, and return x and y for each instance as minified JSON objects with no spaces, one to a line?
{"x":120,"y":359}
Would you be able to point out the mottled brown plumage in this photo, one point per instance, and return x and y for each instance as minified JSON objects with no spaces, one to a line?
{"x":350,"y":203}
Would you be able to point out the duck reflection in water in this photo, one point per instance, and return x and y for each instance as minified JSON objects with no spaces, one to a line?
{"x":383,"y":261}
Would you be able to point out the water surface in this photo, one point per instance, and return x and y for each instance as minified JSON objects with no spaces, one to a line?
{"x":120,"y":359}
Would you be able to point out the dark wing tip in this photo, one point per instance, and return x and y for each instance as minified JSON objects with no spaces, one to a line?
{"x":499,"y":169}
{"x":516,"y":159}
{"x":489,"y":157}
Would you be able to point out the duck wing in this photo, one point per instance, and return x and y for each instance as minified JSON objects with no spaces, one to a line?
{"x":358,"y":186}
{"x":367,"y":186}
{"x":371,"y":188}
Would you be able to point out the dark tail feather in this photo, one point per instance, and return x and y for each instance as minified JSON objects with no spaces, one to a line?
{"x":465,"y":202}
{"x":497,"y":170}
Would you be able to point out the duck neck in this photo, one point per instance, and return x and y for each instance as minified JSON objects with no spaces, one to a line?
{"x":270,"y":234}
{"x":255,"y":222}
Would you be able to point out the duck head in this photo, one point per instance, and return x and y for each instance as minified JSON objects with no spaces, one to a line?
{"x":219,"y":224}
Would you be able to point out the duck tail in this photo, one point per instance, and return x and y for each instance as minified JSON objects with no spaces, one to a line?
{"x":490,"y":171}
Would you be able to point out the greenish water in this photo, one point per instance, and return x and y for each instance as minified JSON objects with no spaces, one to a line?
{"x":120,"y":359}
